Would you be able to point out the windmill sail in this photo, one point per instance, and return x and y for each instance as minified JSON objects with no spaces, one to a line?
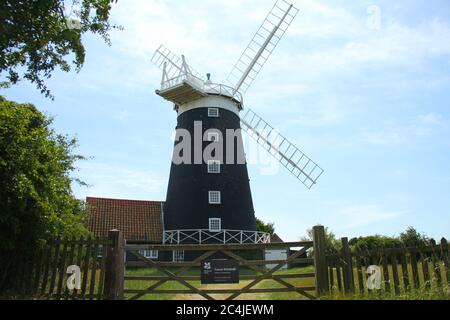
{"x":262,"y":45}
{"x":170,"y":63}
{"x":300,"y":165}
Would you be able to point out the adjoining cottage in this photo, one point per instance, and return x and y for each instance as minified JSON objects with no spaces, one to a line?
{"x":138,"y":220}
{"x":143,"y":221}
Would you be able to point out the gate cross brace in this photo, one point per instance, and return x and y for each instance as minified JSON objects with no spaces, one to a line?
{"x":267,"y":274}
{"x":173,"y":276}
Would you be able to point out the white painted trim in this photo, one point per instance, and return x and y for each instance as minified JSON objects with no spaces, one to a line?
{"x":213,"y":112}
{"x":224,"y":236}
{"x":212,"y":220}
{"x":213,"y":164}
{"x":174,"y":252}
{"x":154,"y":254}
{"x":218,"y":193}
{"x":218,"y":102}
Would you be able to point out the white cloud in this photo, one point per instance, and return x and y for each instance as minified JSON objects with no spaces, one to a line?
{"x":326,"y":112}
{"x":362,"y":215}
{"x":394,"y":46}
{"x":431,"y":119}
{"x":213,"y":34}
{"x":319,"y":20}
{"x":325,"y":40}
{"x":115,"y":181}
{"x":395,"y":132}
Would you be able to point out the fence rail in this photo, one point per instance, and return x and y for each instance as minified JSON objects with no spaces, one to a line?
{"x":177,"y":272}
{"x":45,"y":274}
{"x":104,"y":269}
{"x":400,"y":269}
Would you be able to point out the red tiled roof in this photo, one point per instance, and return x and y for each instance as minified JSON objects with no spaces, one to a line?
{"x":274,"y":238}
{"x":138,"y":220}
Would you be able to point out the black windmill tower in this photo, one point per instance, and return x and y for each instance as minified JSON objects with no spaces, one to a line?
{"x":208,"y":197}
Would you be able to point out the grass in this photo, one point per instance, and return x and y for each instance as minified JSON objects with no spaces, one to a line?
{"x":428,"y":288}
{"x":173,"y":285}
{"x":413,"y":294}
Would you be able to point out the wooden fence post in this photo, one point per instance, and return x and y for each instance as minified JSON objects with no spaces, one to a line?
{"x":349,"y":284}
{"x":320,"y":261}
{"x":395,"y":273}
{"x":445,"y":257}
{"x":114,"y":273}
{"x":414,"y":268}
{"x":436,"y":263}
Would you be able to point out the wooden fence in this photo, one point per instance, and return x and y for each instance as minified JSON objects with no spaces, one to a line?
{"x":44,"y":274}
{"x":102,"y":267}
{"x":252,"y":283}
{"x":402,"y":269}
{"x":183,"y":283}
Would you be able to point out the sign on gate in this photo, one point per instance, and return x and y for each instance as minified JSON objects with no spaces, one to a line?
{"x":220,"y":271}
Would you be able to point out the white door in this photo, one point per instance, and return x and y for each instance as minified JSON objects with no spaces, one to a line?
{"x":275,"y":254}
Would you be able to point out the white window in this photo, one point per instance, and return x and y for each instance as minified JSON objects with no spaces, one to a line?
{"x":213,"y":112}
{"x":215,"y":224}
{"x":150,"y":254}
{"x":178,"y":256}
{"x":214,"y":197}
{"x":213,"y":136}
{"x":213,"y":166}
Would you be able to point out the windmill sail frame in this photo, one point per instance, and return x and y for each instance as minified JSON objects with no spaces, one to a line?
{"x":262,"y":45}
{"x":182,"y":84}
{"x":291,"y":157}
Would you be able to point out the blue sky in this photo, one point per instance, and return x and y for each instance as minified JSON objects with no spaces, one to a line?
{"x":369,"y":104}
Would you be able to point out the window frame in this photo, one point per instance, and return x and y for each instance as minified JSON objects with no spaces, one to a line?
{"x":154,"y":254}
{"x":210,"y":196}
{"x":212,"y":221}
{"x":211,"y":114}
{"x":177,"y":254}
{"x":214,"y":164}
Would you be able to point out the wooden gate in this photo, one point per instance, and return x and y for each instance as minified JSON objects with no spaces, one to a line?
{"x":107,"y":270}
{"x":145,"y":276}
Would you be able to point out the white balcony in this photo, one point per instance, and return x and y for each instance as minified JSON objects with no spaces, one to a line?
{"x":186,"y":87}
{"x":205,"y":236}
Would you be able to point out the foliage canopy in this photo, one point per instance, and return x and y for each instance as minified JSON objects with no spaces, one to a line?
{"x":37,"y":36}
{"x":36,"y":199}
{"x":261,"y":226}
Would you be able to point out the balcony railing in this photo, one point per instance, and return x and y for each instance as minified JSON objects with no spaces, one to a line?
{"x":199,"y":84}
{"x":205,"y":236}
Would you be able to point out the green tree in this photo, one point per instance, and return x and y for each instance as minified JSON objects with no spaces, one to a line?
{"x":261,"y":226}
{"x":36,"y":199}
{"x":412,"y":238}
{"x":37,"y":36}
{"x":332,"y":243}
{"x":374,"y":242}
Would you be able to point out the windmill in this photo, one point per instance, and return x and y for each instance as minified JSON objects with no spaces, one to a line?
{"x":210,"y":201}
